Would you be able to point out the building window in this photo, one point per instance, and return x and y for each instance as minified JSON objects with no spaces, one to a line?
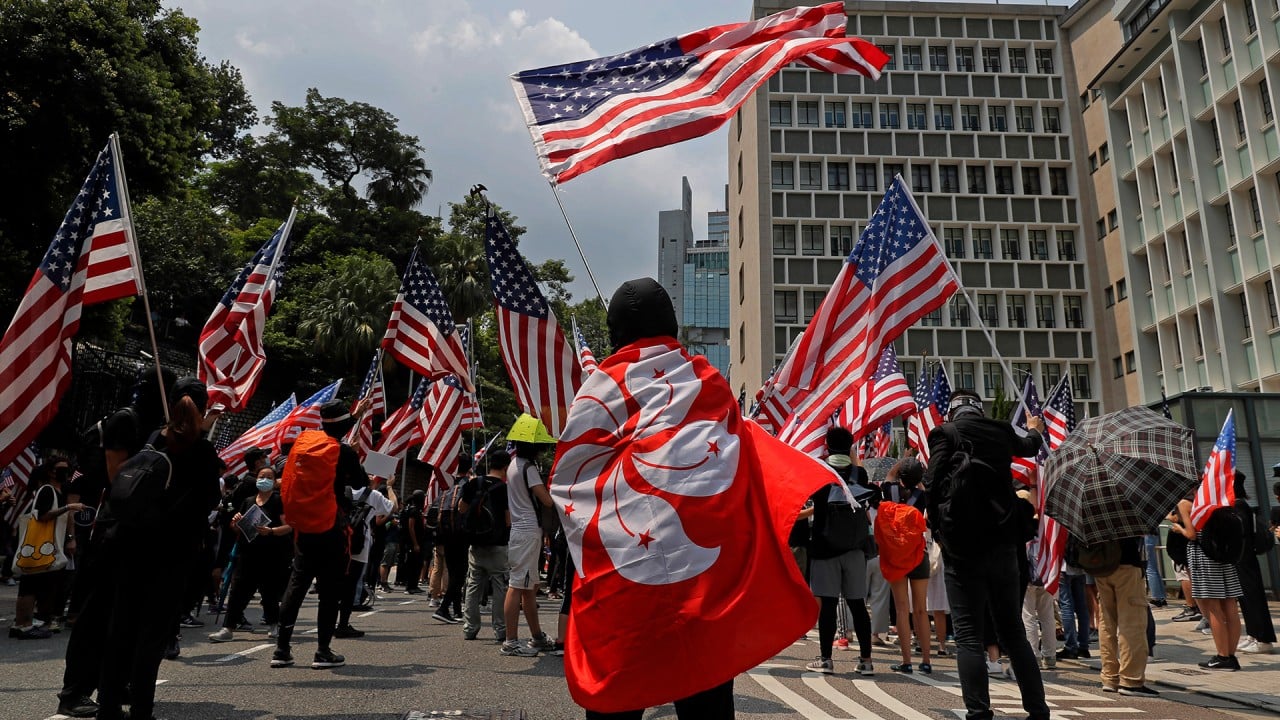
{"x":889,"y":116}
{"x":1025,"y":118}
{"x":977,"y":179}
{"x":1058,"y":181}
{"x":1101,"y":228}
{"x":953,"y":242}
{"x":992,"y":378}
{"x":891,"y":171}
{"x":782,"y":173}
{"x":944,"y":117}
{"x":1050,"y":375}
{"x":1117,"y":367}
{"x":742,"y":342}
{"x":1272,"y":315}
{"x":1080,"y":385}
{"x":1016,"y":307}
{"x":784,"y":239}
{"x":1052,"y":123}
{"x":988,"y":309}
{"x":911,"y":58}
{"x":812,"y":301}
{"x":739,"y":177}
{"x":938,"y":57}
{"x":1226,"y":37}
{"x":837,"y":176}
{"x":1031,"y":181}
{"x":807,"y":113}
{"x":917,"y":114}
{"x":1217,"y":142}
{"x":964,"y":376}
{"x":1067,"y":245}
{"x":810,"y":175}
{"x":997,"y":118}
{"x":921,"y":179}
{"x":1112,"y":221}
{"x":833,"y":114}
{"x":1093,"y":163}
{"x":1239,"y":120}
{"x":813,"y":240}
{"x":1231,"y":225}
{"x":1010,"y":245}
{"x":1004,"y":179}
{"x":1018,"y":60}
{"x":1110,"y":294}
{"x":1073,"y":311}
{"x":1130,"y":363}
{"x":892,"y":52}
{"x":908,"y":368}
{"x":933,"y":319}
{"x":742,"y":284}
{"x":949,"y":178}
{"x":1104,"y":154}
{"x":1250,"y":20}
{"x":991,"y":59}
{"x":970,"y":117}
{"x":959,"y":311}
{"x":841,"y":240}
{"x":1038,"y":240}
{"x":1255,"y":210}
{"x":1244,"y":317}
{"x":1265,"y":95}
{"x":780,"y":112}
{"x":1084,"y":100}
{"x":1204,"y":57}
{"x":1044,"y":311}
{"x":1122,"y":289}
{"x":964,"y":59}
{"x":861,"y":116}
{"x":785,"y":306}
{"x":982,"y":246}
{"x":866,"y":176}
{"x":1044,"y":61}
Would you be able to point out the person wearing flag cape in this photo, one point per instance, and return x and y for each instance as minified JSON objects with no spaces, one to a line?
{"x":677,"y":513}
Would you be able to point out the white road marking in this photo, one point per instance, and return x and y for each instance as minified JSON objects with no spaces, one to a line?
{"x":365,"y":615}
{"x":312,"y":631}
{"x":161,"y":682}
{"x":407,"y":602}
{"x":819,"y":684}
{"x":807,"y":710}
{"x":244,"y":653}
{"x":1109,"y":709}
{"x":884,"y":699}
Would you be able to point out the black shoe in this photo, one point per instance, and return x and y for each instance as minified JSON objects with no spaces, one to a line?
{"x":346,"y":631}
{"x":1219,"y":662}
{"x":414,"y":591}
{"x":188,"y":621}
{"x":1083,"y":653}
{"x":78,"y":706}
{"x":1158,"y":604}
{"x":444,"y":616}
{"x":281,"y":659}
{"x":327,"y":659}
{"x":1140,"y":691}
{"x":245,"y":626}
{"x":173,"y":652}
{"x":1068,"y":654}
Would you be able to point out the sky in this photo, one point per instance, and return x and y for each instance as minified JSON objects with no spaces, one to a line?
{"x":442,"y":67}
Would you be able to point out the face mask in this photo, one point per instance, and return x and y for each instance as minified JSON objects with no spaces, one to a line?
{"x":265,"y":484}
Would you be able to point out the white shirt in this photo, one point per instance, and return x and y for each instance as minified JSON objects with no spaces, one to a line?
{"x":520,"y":498}
{"x":379,"y":505}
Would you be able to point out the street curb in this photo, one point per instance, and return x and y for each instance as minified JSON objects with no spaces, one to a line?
{"x":1217,"y":695}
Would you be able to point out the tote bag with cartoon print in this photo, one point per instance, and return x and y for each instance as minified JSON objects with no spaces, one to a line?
{"x":40,"y":544}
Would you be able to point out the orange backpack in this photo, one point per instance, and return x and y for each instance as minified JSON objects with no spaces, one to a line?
{"x":900,"y":537}
{"x":307,"y":484}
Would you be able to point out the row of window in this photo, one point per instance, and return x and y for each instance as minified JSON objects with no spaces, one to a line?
{"x":993,"y":377}
{"x":799,"y":306}
{"x":941,"y":56}
{"x":1099,"y":158}
{"x":818,"y":240}
{"x":808,"y":175}
{"x":1116,"y":293}
{"x":839,"y":114}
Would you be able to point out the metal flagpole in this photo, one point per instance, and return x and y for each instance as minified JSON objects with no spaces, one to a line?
{"x":123,"y":188}
{"x":995,"y":351}
{"x":404,"y":465}
{"x":581,"y":254}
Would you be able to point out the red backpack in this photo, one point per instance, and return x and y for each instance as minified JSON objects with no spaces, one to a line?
{"x":307,"y":484}
{"x":900,"y":536}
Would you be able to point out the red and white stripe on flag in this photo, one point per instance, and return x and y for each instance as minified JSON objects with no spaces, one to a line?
{"x":879,"y":400}
{"x":883,"y":440}
{"x":1051,"y":546}
{"x":17,"y":478}
{"x":1217,"y":485}
{"x":262,"y":434}
{"x":90,"y":260}
{"x":442,"y":429}
{"x":584,"y":114}
{"x":421,"y":332}
{"x":403,"y":428}
{"x":306,"y":416}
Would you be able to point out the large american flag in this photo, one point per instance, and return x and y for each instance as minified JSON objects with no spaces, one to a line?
{"x":883,"y":440}
{"x":17,"y":477}
{"x":1024,"y":469}
{"x":231,"y":356}
{"x":933,"y":400}
{"x":543,"y":366}
{"x":91,"y":259}
{"x":262,"y":434}
{"x":583,"y":114}
{"x":421,"y":332}
{"x":882,"y":398}
{"x":895,"y":275}
{"x":404,"y":428}
{"x":770,"y":407}
{"x":361,"y":437}
{"x":306,"y":416}
{"x":586,"y":358}
{"x":1217,"y":485}
{"x":442,"y":425}
{"x":1059,"y":421}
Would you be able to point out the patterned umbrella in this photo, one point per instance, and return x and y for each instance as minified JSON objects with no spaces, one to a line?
{"x":1120,"y":474}
{"x":878,"y":468}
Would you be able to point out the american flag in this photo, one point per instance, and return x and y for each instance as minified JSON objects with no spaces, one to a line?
{"x":404,"y":428}
{"x":306,"y":416}
{"x":1164,"y":405}
{"x":1217,"y":485}
{"x":442,"y":425}
{"x":770,"y":407}
{"x":933,"y":400}
{"x":883,"y":439}
{"x":231,"y":352}
{"x":17,"y":477}
{"x":543,"y":367}
{"x":421,"y":332}
{"x":584,"y":114}
{"x":586,"y":358}
{"x":1059,"y":421}
{"x":895,"y":275}
{"x":472,"y":418}
{"x":1024,"y":469}
{"x":881,"y":399}
{"x":91,"y":259}
{"x":372,"y":388}
{"x":263,"y":435}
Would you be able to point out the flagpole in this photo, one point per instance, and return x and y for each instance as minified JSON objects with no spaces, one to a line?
{"x":995,"y":351}
{"x":136,"y":256}
{"x":404,"y":465}
{"x":581,"y":254}
{"x":284,"y":240}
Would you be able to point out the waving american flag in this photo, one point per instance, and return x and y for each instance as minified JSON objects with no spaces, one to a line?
{"x":306,"y":416}
{"x":361,"y":437}
{"x":586,"y":358}
{"x":263,"y":434}
{"x":403,"y":428}
{"x":879,"y":400}
{"x":1059,"y":415}
{"x":1024,"y":469}
{"x":421,"y":332}
{"x":1051,"y":538}
{"x":933,"y":401}
{"x":442,"y":425}
{"x":1217,"y":484}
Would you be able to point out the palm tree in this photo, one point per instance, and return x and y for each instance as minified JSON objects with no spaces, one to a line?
{"x":403,"y":182}
{"x":463,"y":273}
{"x":347,"y":321}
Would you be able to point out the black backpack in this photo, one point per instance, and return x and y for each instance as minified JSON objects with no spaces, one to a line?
{"x":358,"y":517}
{"x":847,"y":527}
{"x":442,"y":514}
{"x":135,"y":502}
{"x":480,"y":524}
{"x":964,"y":508}
{"x":1223,"y":537}
{"x":1262,"y":538}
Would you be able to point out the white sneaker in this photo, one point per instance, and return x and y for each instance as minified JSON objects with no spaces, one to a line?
{"x":1245,"y":641}
{"x":1203,"y":625}
{"x":1256,"y":648}
{"x":273,"y":631}
{"x":995,"y":668}
{"x":223,"y":635}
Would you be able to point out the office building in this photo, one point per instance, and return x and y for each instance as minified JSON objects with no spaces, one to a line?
{"x":696,"y":274}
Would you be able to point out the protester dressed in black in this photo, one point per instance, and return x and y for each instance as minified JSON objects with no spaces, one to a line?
{"x":262,"y":564}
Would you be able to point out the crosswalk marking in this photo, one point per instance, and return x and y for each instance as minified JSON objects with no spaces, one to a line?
{"x":243,"y":653}
{"x":884,"y":699}
{"x":365,"y":615}
{"x":806,"y":709}
{"x":819,"y":684}
{"x":1109,"y":710}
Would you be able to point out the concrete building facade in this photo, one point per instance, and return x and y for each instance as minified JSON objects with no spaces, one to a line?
{"x":696,"y":274}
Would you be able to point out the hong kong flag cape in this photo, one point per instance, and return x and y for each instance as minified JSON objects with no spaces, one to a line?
{"x":677,"y":512}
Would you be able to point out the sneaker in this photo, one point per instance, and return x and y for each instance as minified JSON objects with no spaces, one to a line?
{"x":942,"y":652}
{"x":244,"y":626}
{"x":1206,"y":631}
{"x":558,"y":649}
{"x":516,"y":648}
{"x":904,"y":668}
{"x":435,"y":603}
{"x":1187,"y":614}
{"x":1110,"y":688}
{"x":878,"y":641}
{"x":1202,"y":625}
{"x":56,"y":624}
{"x":281,"y":659}
{"x":926,"y":668}
{"x":1083,"y":653}
{"x":842,"y":643}
{"x":79,"y":706}
{"x":223,"y":635}
{"x":414,"y":591}
{"x":866,"y":667}
{"x":1257,"y":648}
{"x":821,"y":665}
{"x":31,"y":633}
{"x":346,"y":631}
{"x":1049,"y":663}
{"x":327,"y":659}
{"x":1218,"y":662}
{"x":1068,"y":654}
{"x":995,"y":668}
{"x":541,"y":642}
{"x":1158,"y":604}
{"x":273,"y":631}
{"x":1140,"y":691}
{"x":188,"y":621}
{"x":443,"y":616}
{"x":470,"y":635}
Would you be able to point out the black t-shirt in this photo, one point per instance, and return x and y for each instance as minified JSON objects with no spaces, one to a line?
{"x":47,"y":497}
{"x":193,"y":492}
{"x":496,"y":501}
{"x":414,"y":527}
{"x":273,"y":508}
{"x":858,"y":482}
{"x":350,"y":477}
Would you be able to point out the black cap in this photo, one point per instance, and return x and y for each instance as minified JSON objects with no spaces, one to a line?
{"x":253,"y":455}
{"x":334,"y":411}
{"x":641,"y":308}
{"x":192,"y":388}
{"x":839,"y":440}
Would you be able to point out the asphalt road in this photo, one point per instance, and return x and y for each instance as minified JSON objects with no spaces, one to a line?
{"x":410,"y":662}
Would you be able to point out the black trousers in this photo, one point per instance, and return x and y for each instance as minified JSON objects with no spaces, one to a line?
{"x":410,"y":570}
{"x":713,"y":704}
{"x":455,"y":561}
{"x":88,"y":636}
{"x":1253,"y":603}
{"x":266,"y":573}
{"x":321,"y":557}
{"x":351,"y":584}
{"x":984,"y":589}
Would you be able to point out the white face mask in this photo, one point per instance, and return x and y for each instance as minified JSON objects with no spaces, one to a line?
{"x":265,"y":484}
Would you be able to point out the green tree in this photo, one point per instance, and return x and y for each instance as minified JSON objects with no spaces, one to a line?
{"x":463,"y":272}
{"x":1002,"y":406}
{"x":349,"y":313}
{"x":258,"y":180}
{"x":403,"y":183}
